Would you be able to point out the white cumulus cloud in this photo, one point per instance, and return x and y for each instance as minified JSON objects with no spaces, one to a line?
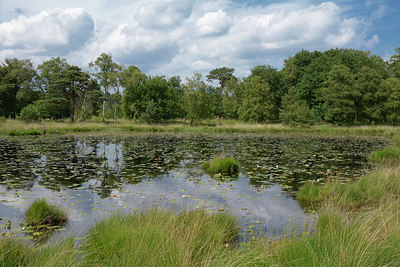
{"x":179,"y":37}
{"x":52,"y":32}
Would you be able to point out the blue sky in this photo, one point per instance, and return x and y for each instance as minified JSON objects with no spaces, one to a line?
{"x":180,"y":37}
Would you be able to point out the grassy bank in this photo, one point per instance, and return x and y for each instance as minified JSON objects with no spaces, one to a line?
{"x":19,"y":128}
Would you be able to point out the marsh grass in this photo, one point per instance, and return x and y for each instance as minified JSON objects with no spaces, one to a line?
{"x":369,"y":191}
{"x":42,"y":213}
{"x":160,"y":238}
{"x":20,"y":128}
{"x":390,"y":153}
{"x":222,"y":165}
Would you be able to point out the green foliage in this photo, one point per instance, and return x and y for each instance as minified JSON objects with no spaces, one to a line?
{"x":258,"y":102}
{"x":392,"y":105}
{"x":276,"y":82}
{"x":42,"y":213}
{"x":53,"y":108}
{"x":388,"y":154}
{"x":16,"y":86}
{"x":342,"y":99}
{"x":222,"y":165}
{"x":30,"y":113}
{"x":295,"y":111}
{"x":151,"y":114}
{"x":222,"y":75}
{"x":198,"y":99}
{"x":232,"y":99}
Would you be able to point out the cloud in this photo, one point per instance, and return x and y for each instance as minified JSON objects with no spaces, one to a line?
{"x":163,"y":14}
{"x":52,"y":32}
{"x":179,"y":37}
{"x":213,"y":23}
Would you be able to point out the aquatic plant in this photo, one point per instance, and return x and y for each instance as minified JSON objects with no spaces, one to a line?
{"x":221,"y":165}
{"x":42,"y":213}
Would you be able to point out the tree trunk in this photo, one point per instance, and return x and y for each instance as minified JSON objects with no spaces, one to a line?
{"x":72,"y":114}
{"x":83,"y":108}
{"x":115,"y":113}
{"x":104,"y":106}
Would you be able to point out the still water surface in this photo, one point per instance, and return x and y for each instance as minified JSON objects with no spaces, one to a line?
{"x":91,"y":177}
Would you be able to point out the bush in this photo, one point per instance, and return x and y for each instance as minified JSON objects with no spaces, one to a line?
{"x":222,"y":165}
{"x":30,"y":113}
{"x":42,"y":213}
{"x":53,"y":108}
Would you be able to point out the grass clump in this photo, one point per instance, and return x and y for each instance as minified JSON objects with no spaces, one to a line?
{"x":381,"y":186}
{"x":14,"y":252}
{"x":222,"y":165}
{"x":310,"y":195}
{"x":43,"y":213}
{"x":160,"y":238}
{"x":390,"y":153}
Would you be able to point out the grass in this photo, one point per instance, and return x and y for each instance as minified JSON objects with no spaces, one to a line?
{"x":390,"y":153}
{"x":372,"y":190}
{"x":221,"y":165}
{"x":154,"y":238}
{"x":20,"y":128}
{"x":42,"y":213}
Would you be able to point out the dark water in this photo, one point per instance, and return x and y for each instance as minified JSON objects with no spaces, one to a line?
{"x":91,"y":177}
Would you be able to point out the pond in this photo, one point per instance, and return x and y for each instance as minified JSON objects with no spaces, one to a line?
{"x":93,"y":176}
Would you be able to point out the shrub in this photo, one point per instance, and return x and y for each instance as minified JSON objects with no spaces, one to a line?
{"x":222,"y":165}
{"x":42,"y":213}
{"x":30,"y":113}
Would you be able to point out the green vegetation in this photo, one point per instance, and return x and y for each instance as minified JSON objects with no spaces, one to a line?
{"x":156,"y":237}
{"x":222,"y":165}
{"x":388,"y":154}
{"x":42,"y":213}
{"x":339,"y":86}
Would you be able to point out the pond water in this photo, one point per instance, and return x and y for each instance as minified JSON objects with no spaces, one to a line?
{"x":91,"y":177}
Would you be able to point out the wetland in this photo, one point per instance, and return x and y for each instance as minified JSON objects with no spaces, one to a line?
{"x":91,"y":177}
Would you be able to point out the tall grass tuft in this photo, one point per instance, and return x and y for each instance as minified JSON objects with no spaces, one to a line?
{"x":42,"y":213}
{"x":222,"y":165}
{"x":390,"y":153}
{"x":159,"y":238}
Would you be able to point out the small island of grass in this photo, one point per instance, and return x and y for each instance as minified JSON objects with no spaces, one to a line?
{"x":222,"y":165}
{"x":43,"y":213}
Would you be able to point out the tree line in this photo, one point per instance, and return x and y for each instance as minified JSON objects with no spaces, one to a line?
{"x":340,"y":86}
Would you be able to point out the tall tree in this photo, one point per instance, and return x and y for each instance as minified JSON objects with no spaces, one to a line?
{"x":77,"y":83}
{"x":394,"y":63}
{"x":222,"y":75}
{"x":258,"y":101}
{"x":198,"y":99}
{"x":342,"y":98}
{"x":16,"y":86}
{"x":276,"y":83}
{"x":233,"y":97}
{"x":368,"y":83}
{"x":106,"y":72}
{"x":392,"y":105}
{"x":294,"y":111}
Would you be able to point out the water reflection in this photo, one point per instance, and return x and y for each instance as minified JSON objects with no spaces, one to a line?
{"x":94,"y":176}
